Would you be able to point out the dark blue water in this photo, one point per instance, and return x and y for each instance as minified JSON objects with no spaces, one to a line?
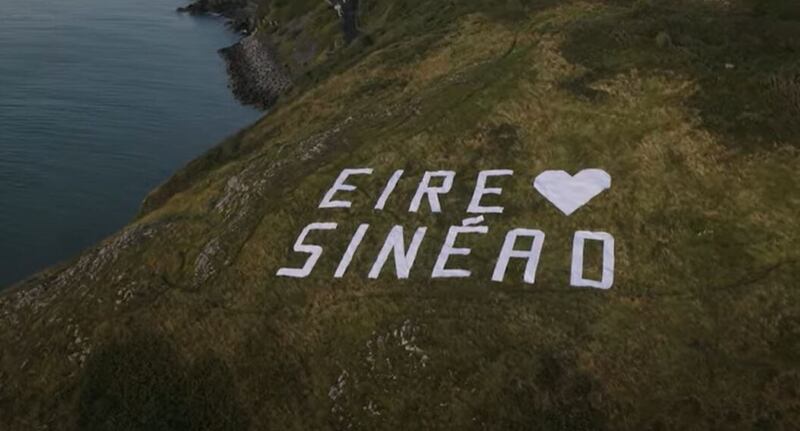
{"x":100,"y":101}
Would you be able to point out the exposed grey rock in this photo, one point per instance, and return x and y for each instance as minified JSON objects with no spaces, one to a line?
{"x":203,"y":265}
{"x":256,"y":77}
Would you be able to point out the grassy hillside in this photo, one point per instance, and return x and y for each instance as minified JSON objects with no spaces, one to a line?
{"x":179,"y":322}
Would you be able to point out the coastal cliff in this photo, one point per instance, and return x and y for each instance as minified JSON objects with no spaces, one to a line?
{"x":180,"y":320}
{"x":259,"y":72}
{"x":256,"y":76}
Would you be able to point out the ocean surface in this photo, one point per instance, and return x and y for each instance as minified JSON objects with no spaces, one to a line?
{"x":100,"y":101}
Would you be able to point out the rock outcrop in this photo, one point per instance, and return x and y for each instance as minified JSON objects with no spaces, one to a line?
{"x":241,"y":14}
{"x":256,"y":76}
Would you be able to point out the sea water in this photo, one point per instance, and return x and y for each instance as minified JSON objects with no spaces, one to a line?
{"x":100,"y":101}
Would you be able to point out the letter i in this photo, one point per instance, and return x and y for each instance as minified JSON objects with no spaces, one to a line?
{"x":351,"y":250}
{"x":387,"y":191}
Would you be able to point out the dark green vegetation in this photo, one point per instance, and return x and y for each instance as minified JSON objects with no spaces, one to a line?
{"x":158,"y":391}
{"x":178,"y":322}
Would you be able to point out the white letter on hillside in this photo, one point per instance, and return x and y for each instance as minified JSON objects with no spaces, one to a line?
{"x":351,"y":250}
{"x":481,"y":190}
{"x":508,"y":252}
{"x":314,"y":251}
{"x":389,"y":189}
{"x":402,"y":260}
{"x":432,"y":192}
{"x":576,"y":275}
{"x":340,"y":186}
{"x":439,"y":270}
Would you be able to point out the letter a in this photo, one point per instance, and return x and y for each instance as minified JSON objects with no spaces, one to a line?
{"x":509,"y":252}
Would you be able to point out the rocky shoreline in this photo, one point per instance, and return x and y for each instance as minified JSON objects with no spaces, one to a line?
{"x":241,"y":14}
{"x":256,"y":76}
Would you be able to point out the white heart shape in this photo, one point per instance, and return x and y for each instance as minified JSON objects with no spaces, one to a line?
{"x":568,"y":193}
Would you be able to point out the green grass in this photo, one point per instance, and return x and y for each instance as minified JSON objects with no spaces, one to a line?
{"x":181,"y":323}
